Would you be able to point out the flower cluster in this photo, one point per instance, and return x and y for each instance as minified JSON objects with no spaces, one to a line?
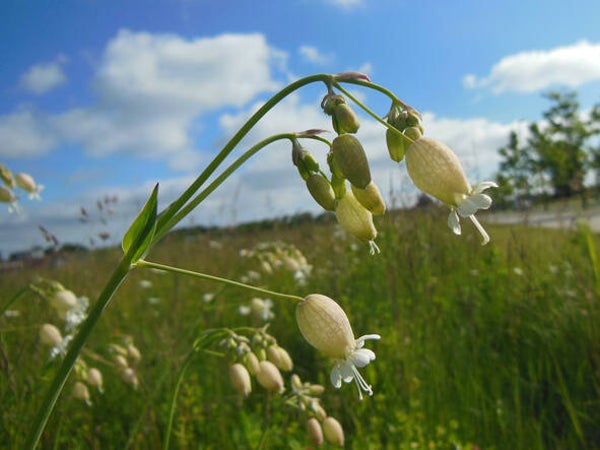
{"x":126,"y":357}
{"x":21,"y":180}
{"x":276,"y":256}
{"x":349,"y":190}
{"x":259,"y":356}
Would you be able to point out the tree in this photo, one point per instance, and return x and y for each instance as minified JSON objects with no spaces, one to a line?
{"x":514,"y":180}
{"x":559,"y":145}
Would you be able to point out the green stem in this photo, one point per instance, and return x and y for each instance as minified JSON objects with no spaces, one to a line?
{"x":182,"y":371}
{"x":185,"y":210}
{"x":204,"y":276}
{"x":75,"y":348}
{"x":165,"y":221}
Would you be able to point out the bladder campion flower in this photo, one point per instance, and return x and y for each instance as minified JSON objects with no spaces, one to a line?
{"x":436,"y":170}
{"x":324,"y":324}
{"x":333,"y":431}
{"x":269,"y":377}
{"x":28,"y":184}
{"x":94,"y":378}
{"x":356,"y":220}
{"x":240,"y":379}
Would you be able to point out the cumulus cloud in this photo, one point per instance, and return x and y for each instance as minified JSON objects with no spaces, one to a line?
{"x":532,"y":71}
{"x":44,"y":77}
{"x":313,"y":55}
{"x":25,"y":133}
{"x":150,"y":94}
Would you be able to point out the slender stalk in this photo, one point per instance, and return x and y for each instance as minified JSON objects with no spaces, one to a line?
{"x":75,"y":348}
{"x":186,"y":363}
{"x":165,"y":219}
{"x":372,"y":114}
{"x":204,"y":276}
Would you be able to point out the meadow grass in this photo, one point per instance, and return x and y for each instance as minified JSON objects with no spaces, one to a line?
{"x":493,"y":347}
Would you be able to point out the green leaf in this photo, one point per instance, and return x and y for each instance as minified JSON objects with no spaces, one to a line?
{"x":137,"y":240}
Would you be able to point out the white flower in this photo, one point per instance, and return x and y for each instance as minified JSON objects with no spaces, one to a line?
{"x":436,"y":170}
{"x":28,"y":184}
{"x":346,"y":369}
{"x":467,"y":205}
{"x":324,"y":324}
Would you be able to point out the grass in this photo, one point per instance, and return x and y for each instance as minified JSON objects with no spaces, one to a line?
{"x":493,"y":347}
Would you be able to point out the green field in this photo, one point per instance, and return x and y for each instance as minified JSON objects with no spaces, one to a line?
{"x":493,"y":347}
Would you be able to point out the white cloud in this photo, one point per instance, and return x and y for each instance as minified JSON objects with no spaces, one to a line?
{"x":313,"y":55}
{"x":151,"y":91}
{"x":532,"y":71}
{"x":25,"y":133}
{"x":44,"y":77}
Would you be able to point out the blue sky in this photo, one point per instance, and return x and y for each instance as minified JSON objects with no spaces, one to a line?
{"x":108,"y":98}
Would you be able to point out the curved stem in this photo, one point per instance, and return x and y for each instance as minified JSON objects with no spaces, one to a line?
{"x":75,"y":347}
{"x":185,"y":210}
{"x":180,"y":375}
{"x":152,"y":265}
{"x":165,"y":221}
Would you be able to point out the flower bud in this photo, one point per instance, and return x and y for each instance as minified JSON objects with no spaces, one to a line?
{"x":333,"y":431}
{"x":351,"y":159}
{"x":240,"y":379}
{"x":6,"y":176}
{"x":273,"y":354}
{"x":129,"y":376}
{"x":94,"y":378}
{"x":296,"y":382}
{"x":6,"y":195}
{"x":252,"y":363}
{"x":324,"y":324}
{"x":321,"y":191}
{"x":121,"y":361}
{"x":50,"y":335}
{"x":80,"y":392}
{"x":396,"y":144}
{"x":314,"y":431}
{"x":344,"y":119}
{"x":355,"y":218}
{"x":63,"y":301}
{"x":413,"y":133}
{"x":285,"y":360}
{"x":371,"y":198}
{"x":303,"y":160}
{"x":133,"y":353}
{"x":330,"y":102}
{"x":26,"y":182}
{"x":436,"y":170}
{"x":269,"y":377}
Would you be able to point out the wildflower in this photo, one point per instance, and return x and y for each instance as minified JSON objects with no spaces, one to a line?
{"x":371,"y":198}
{"x":7,"y":176}
{"x":240,"y":379}
{"x":81,"y":392}
{"x":7,"y":196}
{"x":94,"y":378}
{"x":351,"y":159}
{"x":333,"y":431}
{"x":357,"y":220}
{"x":324,"y":324}
{"x":62,"y":301}
{"x":145,"y":284}
{"x":436,"y":170}
{"x":28,"y":184}
{"x":314,"y":431}
{"x":259,"y":307}
{"x":269,"y":377}
{"x":50,"y":335}
{"x":129,"y":376}
{"x":133,"y":353}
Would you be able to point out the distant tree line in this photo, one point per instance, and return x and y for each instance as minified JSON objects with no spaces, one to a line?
{"x":559,"y":159}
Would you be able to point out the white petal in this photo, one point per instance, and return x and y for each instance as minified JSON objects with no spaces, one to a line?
{"x":454,"y":222}
{"x":473,"y":203}
{"x":336,"y":377}
{"x":362,"y":357}
{"x":361,"y":340}
{"x":483,"y":186}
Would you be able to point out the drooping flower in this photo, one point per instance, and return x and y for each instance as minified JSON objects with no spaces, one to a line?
{"x":333,"y":431}
{"x":240,"y":379}
{"x":357,"y":220}
{"x":324,"y":324}
{"x":436,"y":170}
{"x":28,"y":184}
